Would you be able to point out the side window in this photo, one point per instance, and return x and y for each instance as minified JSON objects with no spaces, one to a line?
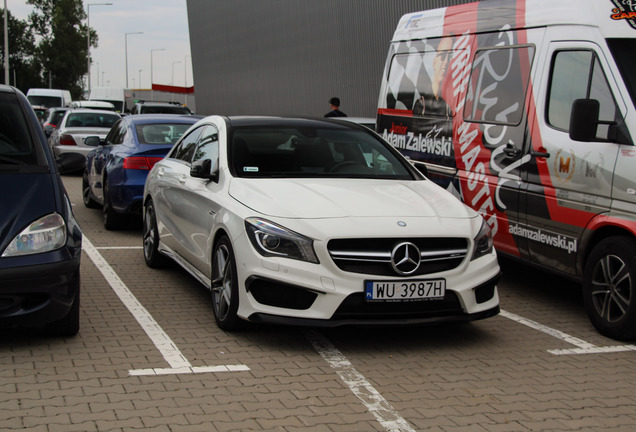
{"x":208,"y":145}
{"x":186,"y":147}
{"x":498,"y":85}
{"x":578,"y":75}
{"x":117,"y":133}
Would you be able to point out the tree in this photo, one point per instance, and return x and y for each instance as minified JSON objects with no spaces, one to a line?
{"x":23,"y":73}
{"x":62,"y":48}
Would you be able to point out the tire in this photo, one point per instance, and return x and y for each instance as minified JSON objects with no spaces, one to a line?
{"x":609,"y":287}
{"x":152,"y":256}
{"x":86,"y":193}
{"x":112,"y":219}
{"x":70,"y":324}
{"x":224,"y":288}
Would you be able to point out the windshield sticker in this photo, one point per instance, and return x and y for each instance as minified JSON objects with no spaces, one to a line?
{"x":250,"y":169}
{"x":568,"y":244}
{"x":625,"y":10}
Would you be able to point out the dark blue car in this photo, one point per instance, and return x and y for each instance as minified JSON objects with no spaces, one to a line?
{"x":116,"y":170}
{"x":40,"y":241}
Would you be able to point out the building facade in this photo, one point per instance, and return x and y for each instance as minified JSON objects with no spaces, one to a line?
{"x":289,"y":57}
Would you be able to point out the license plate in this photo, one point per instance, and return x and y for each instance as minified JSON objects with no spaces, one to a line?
{"x":432,"y":289}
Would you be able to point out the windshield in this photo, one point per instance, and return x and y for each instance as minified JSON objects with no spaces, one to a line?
{"x":47,"y":101}
{"x":161,"y":133}
{"x":292,"y":153}
{"x":623,"y":52}
{"x":165,"y":109}
{"x":91,"y":120}
{"x":17,"y":147}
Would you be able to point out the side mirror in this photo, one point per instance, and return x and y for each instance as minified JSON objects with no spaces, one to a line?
{"x":92,"y":141}
{"x":584,"y":120}
{"x":204,"y":169}
{"x":421,"y":167}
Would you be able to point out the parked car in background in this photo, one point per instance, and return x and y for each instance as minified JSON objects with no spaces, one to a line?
{"x":315,"y":222}
{"x":159,"y":108}
{"x":117,"y":168}
{"x":40,"y":245}
{"x":53,"y":118}
{"x":49,"y":98}
{"x":41,"y":112}
{"x":93,"y":105}
{"x":67,"y":141}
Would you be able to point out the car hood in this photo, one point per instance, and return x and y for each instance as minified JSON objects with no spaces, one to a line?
{"x":340,"y":198}
{"x":24,"y":199}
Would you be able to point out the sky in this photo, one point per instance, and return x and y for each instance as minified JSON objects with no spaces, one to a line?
{"x":164,"y":24}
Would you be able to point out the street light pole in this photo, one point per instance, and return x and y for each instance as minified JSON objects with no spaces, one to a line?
{"x":6,"y":47}
{"x":173,"y":63}
{"x":152,"y":97}
{"x":88,"y":39}
{"x":126,"y":52}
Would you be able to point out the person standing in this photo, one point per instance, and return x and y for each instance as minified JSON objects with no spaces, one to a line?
{"x":335,"y":108}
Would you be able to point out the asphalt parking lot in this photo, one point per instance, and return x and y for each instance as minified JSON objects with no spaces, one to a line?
{"x":149,"y":357}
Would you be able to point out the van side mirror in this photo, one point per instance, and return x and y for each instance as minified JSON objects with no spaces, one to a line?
{"x":204,"y":169}
{"x":584,"y":119}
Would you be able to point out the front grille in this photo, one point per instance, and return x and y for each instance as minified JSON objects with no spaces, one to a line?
{"x":373,"y":256}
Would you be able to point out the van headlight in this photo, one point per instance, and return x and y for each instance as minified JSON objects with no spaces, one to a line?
{"x":45,"y":234}
{"x":272,"y":240}
{"x":483,"y":241}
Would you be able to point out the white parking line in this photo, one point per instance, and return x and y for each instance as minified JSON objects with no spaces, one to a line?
{"x":583,"y":347}
{"x":178,"y":363}
{"x":370,"y":397}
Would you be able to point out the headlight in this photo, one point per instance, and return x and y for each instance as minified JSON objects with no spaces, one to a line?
{"x":45,"y":234}
{"x":483,"y":241}
{"x":273,"y":240}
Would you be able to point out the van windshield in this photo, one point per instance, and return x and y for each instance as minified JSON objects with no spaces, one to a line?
{"x":623,"y":52}
{"x":47,"y":101}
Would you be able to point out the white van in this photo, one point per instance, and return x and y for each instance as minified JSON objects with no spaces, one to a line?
{"x":99,"y":105}
{"x":526,"y":111}
{"x":50,"y":98}
{"x":120,"y":97}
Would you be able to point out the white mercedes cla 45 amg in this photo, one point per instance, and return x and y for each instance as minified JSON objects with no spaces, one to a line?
{"x":315,"y":222}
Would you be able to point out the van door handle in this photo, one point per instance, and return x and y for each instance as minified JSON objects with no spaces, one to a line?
{"x":511,"y":151}
{"x":160,"y":173}
{"x":182,"y":179}
{"x":540,"y":152}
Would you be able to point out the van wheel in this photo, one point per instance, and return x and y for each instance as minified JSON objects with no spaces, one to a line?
{"x":152,"y":256}
{"x":225,"y":286}
{"x":112,"y":219}
{"x":70,"y":324}
{"x":86,"y":193}
{"x":609,"y":287}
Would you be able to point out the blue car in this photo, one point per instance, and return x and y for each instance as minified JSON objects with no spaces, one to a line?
{"x":117,"y":168}
{"x":40,"y":240}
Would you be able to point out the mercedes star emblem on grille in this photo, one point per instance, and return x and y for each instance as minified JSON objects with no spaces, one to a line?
{"x":405,"y":258}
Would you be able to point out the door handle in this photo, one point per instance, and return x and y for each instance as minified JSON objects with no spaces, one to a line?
{"x":540,"y":152}
{"x":511,"y":151}
{"x":160,"y":172}
{"x":182,"y":179}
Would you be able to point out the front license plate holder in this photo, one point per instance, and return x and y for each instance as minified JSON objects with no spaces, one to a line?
{"x":405,"y":290}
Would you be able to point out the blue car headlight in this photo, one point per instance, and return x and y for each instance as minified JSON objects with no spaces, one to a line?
{"x":45,"y":234}
{"x":272,"y":240}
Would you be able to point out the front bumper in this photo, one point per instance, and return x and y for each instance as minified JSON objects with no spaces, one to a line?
{"x":38,"y":294}
{"x":285,"y":291}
